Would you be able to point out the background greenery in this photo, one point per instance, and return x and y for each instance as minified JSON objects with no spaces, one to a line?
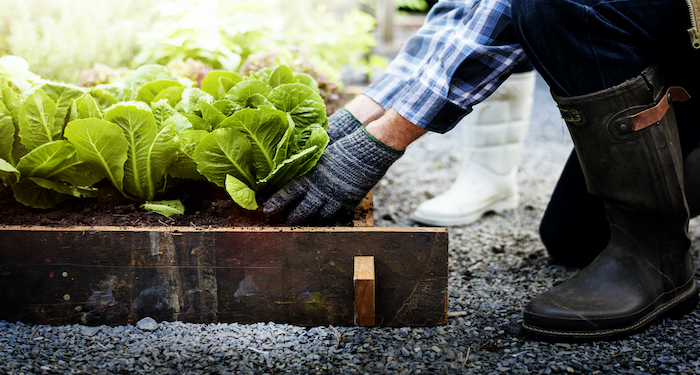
{"x":59,"y":39}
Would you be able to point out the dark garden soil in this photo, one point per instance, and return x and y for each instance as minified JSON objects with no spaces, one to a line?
{"x":206,"y":206}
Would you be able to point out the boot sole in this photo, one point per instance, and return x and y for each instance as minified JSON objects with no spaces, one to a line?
{"x":675,"y":309}
{"x":509,"y":203}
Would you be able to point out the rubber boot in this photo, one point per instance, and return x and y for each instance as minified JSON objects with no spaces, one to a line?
{"x":577,"y":245}
{"x":492,"y":139}
{"x":631,"y":158}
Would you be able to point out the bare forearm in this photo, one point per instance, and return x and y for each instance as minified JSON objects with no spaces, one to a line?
{"x":394,"y":131}
{"x":364,"y":109}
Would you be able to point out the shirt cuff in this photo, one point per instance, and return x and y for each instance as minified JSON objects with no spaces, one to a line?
{"x":386,"y":89}
{"x":428,"y":110}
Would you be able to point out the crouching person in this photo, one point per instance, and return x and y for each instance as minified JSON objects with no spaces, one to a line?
{"x":615,"y":72}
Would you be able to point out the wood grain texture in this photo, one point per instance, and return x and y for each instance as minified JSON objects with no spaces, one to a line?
{"x":364,"y":284}
{"x":300,"y":276}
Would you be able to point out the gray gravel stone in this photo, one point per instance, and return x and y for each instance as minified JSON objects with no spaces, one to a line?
{"x":147,"y":324}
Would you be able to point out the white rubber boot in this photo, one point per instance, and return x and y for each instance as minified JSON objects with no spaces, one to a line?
{"x":492,"y":137}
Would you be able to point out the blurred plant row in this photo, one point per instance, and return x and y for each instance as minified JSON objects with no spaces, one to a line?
{"x":94,"y":42}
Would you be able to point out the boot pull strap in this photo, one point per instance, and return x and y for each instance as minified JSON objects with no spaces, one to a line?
{"x":654,"y":114}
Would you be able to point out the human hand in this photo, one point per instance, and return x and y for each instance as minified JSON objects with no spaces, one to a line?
{"x":346,"y":172}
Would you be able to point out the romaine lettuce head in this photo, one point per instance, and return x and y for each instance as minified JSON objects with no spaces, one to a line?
{"x":273,"y":130}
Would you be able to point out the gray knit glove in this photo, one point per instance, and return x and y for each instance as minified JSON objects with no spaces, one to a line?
{"x":329,"y":193}
{"x":340,"y":124}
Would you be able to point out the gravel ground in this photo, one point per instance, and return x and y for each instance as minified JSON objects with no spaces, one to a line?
{"x":496,"y":266}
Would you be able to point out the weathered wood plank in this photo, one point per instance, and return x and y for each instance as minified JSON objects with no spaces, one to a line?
{"x":299,"y":276}
{"x":364,"y":283}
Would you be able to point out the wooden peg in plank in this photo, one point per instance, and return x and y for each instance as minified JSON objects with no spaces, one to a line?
{"x":364,"y":283}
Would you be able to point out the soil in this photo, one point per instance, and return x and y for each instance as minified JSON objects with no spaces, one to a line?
{"x":206,"y":206}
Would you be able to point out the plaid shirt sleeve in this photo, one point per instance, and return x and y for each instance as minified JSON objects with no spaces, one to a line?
{"x":461,"y":54}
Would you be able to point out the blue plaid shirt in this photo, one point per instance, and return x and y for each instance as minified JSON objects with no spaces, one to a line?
{"x":461,"y":54}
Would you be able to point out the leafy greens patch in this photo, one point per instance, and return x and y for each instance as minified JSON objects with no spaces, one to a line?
{"x":248,"y":135}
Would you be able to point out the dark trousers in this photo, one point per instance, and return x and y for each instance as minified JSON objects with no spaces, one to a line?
{"x":584,"y":46}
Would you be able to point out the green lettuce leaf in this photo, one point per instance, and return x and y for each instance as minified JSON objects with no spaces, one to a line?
{"x":191,"y":98}
{"x":241,"y":193}
{"x":258,"y":101}
{"x":307,"y":80}
{"x":225,"y":151}
{"x":102,"y":144}
{"x":245,"y":89}
{"x":289,"y":169}
{"x":185,"y":166}
{"x":317,"y":137}
{"x":303,"y":104}
{"x":88,"y":107}
{"x":217,"y":83}
{"x":62,"y":95}
{"x":7,"y":137}
{"x":180,"y":122}
{"x":198,"y":123}
{"x":211,"y":115}
{"x":16,"y":70}
{"x":66,"y":189}
{"x":265,"y":128}
{"x":162,"y":111}
{"x":262,"y":74}
{"x":29,"y":193}
{"x":166,"y":208}
{"x":56,"y":166}
{"x":146,"y":74}
{"x":49,"y":160}
{"x":10,"y":98}
{"x":172,"y":95}
{"x":8,"y":173}
{"x":104,"y":97}
{"x":301,"y":161}
{"x":148,"y":92}
{"x":281,"y":75}
{"x":150,"y":151}
{"x":37,"y":123}
{"x":227,"y":107}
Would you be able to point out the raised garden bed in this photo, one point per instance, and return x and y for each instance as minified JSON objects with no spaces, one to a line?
{"x":118,"y":274}
{"x":104,"y":260}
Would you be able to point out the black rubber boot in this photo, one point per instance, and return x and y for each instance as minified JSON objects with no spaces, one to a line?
{"x":627,"y":142}
{"x":577,"y":245}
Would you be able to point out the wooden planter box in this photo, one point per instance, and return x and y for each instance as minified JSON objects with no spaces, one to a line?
{"x":302,"y":276}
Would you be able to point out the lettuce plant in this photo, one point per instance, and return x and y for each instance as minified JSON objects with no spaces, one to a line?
{"x":249,"y":135}
{"x":276,"y":132}
{"x":41,"y":166}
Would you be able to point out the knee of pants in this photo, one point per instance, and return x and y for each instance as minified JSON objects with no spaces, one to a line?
{"x":536,"y":15}
{"x":526,"y":13}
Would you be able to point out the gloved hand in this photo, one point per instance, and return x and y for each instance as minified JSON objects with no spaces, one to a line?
{"x":340,"y":124}
{"x":346,"y":172}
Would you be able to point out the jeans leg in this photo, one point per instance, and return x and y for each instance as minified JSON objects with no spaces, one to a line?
{"x":574,"y":228}
{"x":584,"y":46}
